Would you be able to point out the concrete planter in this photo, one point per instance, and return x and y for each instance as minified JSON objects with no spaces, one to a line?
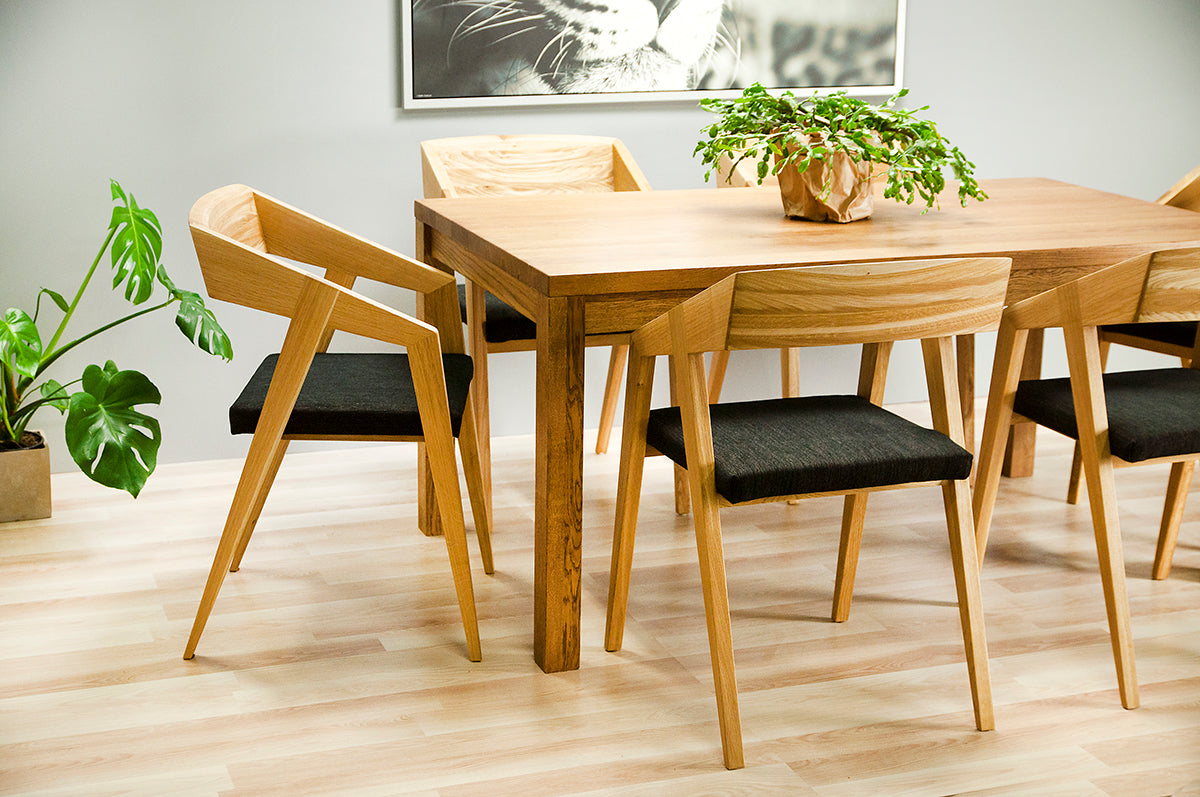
{"x":25,"y":483}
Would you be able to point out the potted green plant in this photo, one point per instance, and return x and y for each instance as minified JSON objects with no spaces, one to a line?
{"x":108,"y":436}
{"x":827,"y":148}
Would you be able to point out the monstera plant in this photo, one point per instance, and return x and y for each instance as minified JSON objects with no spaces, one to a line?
{"x":109,"y":435}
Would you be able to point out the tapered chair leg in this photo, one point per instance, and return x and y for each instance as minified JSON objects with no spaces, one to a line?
{"x":1076,"y":478}
{"x":272,"y":470}
{"x":720,"y":633}
{"x":612,"y":394}
{"x":854,"y":513}
{"x":429,"y":382}
{"x":629,"y":488}
{"x":251,"y":489}
{"x":468,"y":446}
{"x":957,"y":498}
{"x":1177,"y":490}
{"x":716,"y":374}
{"x":1116,"y":600}
{"x":477,"y":347}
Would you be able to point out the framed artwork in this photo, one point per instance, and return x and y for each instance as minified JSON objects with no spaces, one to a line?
{"x":457,"y":53}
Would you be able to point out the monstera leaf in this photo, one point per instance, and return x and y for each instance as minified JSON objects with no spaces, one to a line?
{"x":136,"y":246}
{"x":20,"y":343}
{"x":196,"y":321}
{"x":104,"y":432}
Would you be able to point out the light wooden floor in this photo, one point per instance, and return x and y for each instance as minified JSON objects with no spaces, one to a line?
{"x":334,"y":662}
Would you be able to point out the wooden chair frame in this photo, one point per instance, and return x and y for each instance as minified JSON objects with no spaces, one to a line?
{"x":868,"y":304}
{"x":239,"y":235}
{"x":500,"y":165}
{"x":1184,"y":194}
{"x":1162,"y":286}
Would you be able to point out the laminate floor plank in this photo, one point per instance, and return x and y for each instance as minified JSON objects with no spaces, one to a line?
{"x":334,"y":661}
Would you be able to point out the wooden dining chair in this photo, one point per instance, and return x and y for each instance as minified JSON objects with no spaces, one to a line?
{"x":242,"y":238}
{"x":526,"y":164}
{"x":771,"y":450}
{"x":1118,"y":418}
{"x":1174,"y":338}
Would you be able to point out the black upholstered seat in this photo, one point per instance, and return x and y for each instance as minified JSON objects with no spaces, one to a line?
{"x":353,"y":394}
{"x":1174,"y":333}
{"x":791,"y":446}
{"x":1151,"y":413}
{"x":502,"y":322}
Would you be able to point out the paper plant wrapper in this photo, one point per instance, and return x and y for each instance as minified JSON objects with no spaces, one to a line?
{"x":849,"y":197}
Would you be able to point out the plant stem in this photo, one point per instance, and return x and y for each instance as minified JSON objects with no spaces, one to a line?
{"x":49,"y":359}
{"x":62,"y":327}
{"x":8,"y":395}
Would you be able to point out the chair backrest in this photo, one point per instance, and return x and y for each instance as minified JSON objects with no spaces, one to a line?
{"x":240,"y":236}
{"x":527,"y":164}
{"x":836,"y":305}
{"x":1185,"y":193}
{"x":1159,"y":286}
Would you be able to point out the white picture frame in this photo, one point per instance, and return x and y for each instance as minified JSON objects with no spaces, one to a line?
{"x":481,"y":53}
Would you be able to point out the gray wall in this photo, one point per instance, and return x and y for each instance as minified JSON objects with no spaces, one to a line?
{"x":298,"y":99}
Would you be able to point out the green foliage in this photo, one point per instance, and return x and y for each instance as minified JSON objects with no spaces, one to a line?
{"x":112,"y":442}
{"x":784,"y":131}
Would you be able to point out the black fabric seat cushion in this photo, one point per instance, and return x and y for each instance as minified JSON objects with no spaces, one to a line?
{"x":1175,"y":333}
{"x":502,"y":322}
{"x":1151,"y":413}
{"x":354,"y":394}
{"x":812,"y":444}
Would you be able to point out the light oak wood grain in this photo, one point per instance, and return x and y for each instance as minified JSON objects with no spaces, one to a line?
{"x":630,"y":256}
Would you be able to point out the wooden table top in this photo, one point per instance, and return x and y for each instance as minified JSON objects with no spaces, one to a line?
{"x":656,"y":241}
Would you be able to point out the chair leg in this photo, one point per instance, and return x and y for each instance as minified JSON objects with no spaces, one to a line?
{"x":266,"y":447}
{"x":255,"y":511}
{"x":789,"y":371}
{"x":468,"y":446}
{"x":716,"y":374}
{"x":612,"y":393}
{"x":1112,"y":577}
{"x":629,"y":489}
{"x":1177,"y":490}
{"x":957,"y":498}
{"x":477,"y":346}
{"x":251,"y":491}
{"x":720,"y":633}
{"x":681,"y":477}
{"x":1076,"y":478}
{"x":853,"y":514}
{"x":1076,"y":475}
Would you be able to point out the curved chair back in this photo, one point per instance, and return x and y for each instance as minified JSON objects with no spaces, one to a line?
{"x":528,"y":164}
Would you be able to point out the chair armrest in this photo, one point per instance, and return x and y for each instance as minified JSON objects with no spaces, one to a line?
{"x":292,"y":233}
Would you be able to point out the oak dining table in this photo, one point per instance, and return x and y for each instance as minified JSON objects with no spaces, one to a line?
{"x":607,"y":263}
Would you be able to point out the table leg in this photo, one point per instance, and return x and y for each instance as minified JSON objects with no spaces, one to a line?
{"x":558,"y":478}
